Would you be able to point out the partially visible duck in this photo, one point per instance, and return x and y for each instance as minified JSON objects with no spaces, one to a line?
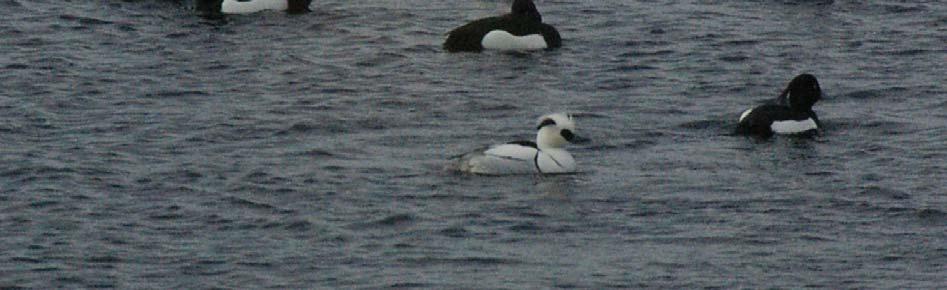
{"x":214,"y":7}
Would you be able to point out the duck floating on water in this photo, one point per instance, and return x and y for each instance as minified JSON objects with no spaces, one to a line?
{"x":520,"y":30}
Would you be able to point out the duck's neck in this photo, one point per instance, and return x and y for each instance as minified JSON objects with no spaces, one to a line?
{"x":545,"y":140}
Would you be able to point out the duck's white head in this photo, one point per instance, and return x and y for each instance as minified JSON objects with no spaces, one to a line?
{"x":555,"y":131}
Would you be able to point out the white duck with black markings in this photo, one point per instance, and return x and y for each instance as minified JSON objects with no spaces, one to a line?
{"x":546,"y":155}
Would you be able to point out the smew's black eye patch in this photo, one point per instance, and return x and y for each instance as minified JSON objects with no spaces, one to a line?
{"x":567,"y":134}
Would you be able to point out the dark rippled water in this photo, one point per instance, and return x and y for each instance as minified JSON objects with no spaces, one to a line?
{"x":145,"y":147}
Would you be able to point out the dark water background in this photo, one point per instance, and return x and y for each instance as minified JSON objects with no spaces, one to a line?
{"x":145,"y":147}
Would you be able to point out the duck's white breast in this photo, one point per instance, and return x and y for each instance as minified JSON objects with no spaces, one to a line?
{"x":502,"y":40}
{"x":555,"y":161}
{"x":251,"y":6}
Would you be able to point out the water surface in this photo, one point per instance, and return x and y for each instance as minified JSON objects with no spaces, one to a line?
{"x":145,"y":147}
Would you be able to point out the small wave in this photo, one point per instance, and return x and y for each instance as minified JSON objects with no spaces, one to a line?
{"x":893,"y":8}
{"x":455,"y":232}
{"x":815,"y":238}
{"x":464,"y":261}
{"x":705,"y":124}
{"x":11,"y":4}
{"x":527,"y":227}
{"x":741,"y":42}
{"x":639,"y":54}
{"x":911,"y":52}
{"x":392,"y":221}
{"x":874,"y":93}
{"x":308,"y":127}
{"x":177,"y":35}
{"x":632,"y":68}
{"x":477,"y":106}
{"x":877,"y":191}
{"x":734,"y":58}
{"x":26,"y":260}
{"x":46,"y":269}
{"x":400,"y":285}
{"x":249,"y":203}
{"x":337,"y":91}
{"x":17,"y":66}
{"x":175,"y":94}
{"x":166,"y":216}
{"x":84,"y":20}
{"x":264,"y":265}
{"x":932,"y":215}
{"x":395,"y":220}
{"x":104,"y":259}
{"x":37,"y":171}
{"x":299,"y":226}
{"x":887,"y":127}
{"x":180,"y":175}
{"x":316,"y":153}
{"x":809,"y":2}
{"x":70,"y":280}
{"x":381,"y":59}
{"x":44,"y":203}
{"x":265,"y":178}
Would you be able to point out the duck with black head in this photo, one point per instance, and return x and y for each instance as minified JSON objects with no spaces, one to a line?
{"x":520,"y":30}
{"x":791,"y":114}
